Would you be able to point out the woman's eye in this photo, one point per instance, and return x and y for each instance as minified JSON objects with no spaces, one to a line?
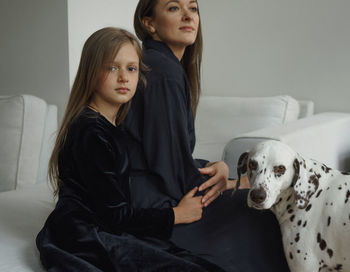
{"x":173,"y":8}
{"x":132,"y":69}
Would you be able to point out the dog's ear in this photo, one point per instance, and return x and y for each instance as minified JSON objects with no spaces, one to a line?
{"x":241,"y":167}
{"x":304,"y":183}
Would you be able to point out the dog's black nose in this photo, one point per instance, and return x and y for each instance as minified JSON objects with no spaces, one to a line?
{"x":258,"y":195}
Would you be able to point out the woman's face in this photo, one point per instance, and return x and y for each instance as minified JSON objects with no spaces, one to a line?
{"x":175,"y":22}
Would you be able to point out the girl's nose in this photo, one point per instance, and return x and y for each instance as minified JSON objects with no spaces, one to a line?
{"x":122,"y":76}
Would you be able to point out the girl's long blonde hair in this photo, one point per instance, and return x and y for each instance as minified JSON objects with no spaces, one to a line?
{"x":192,"y":58}
{"x":100,"y":48}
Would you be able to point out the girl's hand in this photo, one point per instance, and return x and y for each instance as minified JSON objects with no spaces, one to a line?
{"x":217,"y":183}
{"x":189,"y":208}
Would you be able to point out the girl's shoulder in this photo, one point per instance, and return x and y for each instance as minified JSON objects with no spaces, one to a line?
{"x":90,"y":123}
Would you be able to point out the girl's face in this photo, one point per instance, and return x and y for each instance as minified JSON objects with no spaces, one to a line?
{"x":121,"y":80}
{"x":175,"y":23}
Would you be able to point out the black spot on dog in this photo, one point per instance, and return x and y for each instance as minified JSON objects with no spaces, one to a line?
{"x":290,"y":211}
{"x":339,"y":188}
{"x":347,"y":196}
{"x":345,"y":173}
{"x":308,"y":207}
{"x":291,"y":255}
{"x":299,"y":222}
{"x":297,"y":238}
{"x":288,"y":207}
{"x":289,"y":197}
{"x":322,"y":243}
{"x":279,"y":200}
{"x":329,"y":221}
{"x":292,"y":218}
{"x":318,"y":193}
{"x":339,"y":267}
{"x":305,"y":224}
{"x":325,"y":168}
{"x":298,"y":251}
{"x":330,"y":253}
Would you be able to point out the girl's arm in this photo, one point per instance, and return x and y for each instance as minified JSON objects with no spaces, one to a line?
{"x":100,"y":167}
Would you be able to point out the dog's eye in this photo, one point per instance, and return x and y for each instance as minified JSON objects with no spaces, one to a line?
{"x":279,"y":170}
{"x":253,"y":165}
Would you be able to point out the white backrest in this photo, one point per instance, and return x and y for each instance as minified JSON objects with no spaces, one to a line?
{"x":27,"y":128}
{"x":221,"y":118}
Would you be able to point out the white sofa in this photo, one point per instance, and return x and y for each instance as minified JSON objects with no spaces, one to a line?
{"x":226,"y":126}
{"x":27,"y":132}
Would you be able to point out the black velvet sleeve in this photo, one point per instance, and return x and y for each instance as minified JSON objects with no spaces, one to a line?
{"x":103,"y":168}
{"x":168,"y":135}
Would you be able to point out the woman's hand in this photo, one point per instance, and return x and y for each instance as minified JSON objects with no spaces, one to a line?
{"x":189,"y":208}
{"x":244,"y":183}
{"x":217,"y":183}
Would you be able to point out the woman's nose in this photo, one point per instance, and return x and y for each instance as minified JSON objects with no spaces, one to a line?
{"x":186,"y":15}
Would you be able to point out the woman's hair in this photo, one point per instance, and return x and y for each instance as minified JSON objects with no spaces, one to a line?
{"x":99,"y":49}
{"x":192,"y":58}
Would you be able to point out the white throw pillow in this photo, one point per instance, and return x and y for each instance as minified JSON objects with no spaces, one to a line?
{"x":22,"y":122}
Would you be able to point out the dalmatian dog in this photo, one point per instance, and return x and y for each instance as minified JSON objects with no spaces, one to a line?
{"x":310,"y":201}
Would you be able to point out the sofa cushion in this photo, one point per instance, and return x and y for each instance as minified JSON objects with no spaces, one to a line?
{"x":22,"y":121}
{"x":219,"y":119}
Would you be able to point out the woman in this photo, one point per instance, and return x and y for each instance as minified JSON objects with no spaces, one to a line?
{"x":161,"y":124}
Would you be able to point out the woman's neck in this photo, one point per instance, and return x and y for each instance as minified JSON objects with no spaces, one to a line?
{"x":178,"y":50}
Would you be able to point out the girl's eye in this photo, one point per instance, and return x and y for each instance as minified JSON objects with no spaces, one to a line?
{"x":194,"y":9}
{"x":113,"y":68}
{"x":132,"y":69}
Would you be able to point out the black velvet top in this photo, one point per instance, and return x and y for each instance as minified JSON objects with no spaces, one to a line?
{"x":161,"y":124}
{"x":94,"y":168}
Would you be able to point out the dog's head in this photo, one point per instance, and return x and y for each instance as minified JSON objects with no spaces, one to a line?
{"x":272,"y":167}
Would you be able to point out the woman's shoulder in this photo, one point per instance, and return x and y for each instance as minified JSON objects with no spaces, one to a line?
{"x":163,"y":64}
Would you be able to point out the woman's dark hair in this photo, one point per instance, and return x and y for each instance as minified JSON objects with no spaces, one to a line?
{"x":192,"y":58}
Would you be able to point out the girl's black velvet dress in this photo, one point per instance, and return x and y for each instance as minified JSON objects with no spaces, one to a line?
{"x":161,"y":126}
{"x":94,"y":227}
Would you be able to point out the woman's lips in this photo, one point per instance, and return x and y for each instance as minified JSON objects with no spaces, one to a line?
{"x":187,"y":28}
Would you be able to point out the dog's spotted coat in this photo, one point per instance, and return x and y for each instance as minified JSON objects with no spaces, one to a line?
{"x":310,"y":201}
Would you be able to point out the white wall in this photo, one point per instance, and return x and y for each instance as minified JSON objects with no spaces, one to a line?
{"x":87,"y":16}
{"x":296,"y":47}
{"x":34,"y":49}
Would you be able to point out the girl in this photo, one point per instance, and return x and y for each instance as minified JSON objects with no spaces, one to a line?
{"x":161,"y":122}
{"x":93,"y":226}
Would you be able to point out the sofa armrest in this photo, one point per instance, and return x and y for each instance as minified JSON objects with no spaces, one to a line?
{"x":323,"y":137}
